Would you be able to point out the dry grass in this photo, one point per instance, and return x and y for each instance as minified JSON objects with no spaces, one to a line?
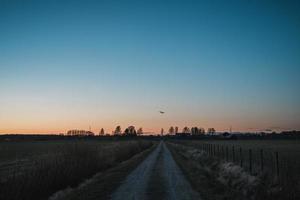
{"x":283,"y":173}
{"x":65,"y":166}
{"x":216,"y":179}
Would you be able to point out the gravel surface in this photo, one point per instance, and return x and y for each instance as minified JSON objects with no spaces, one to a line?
{"x":157,"y":177}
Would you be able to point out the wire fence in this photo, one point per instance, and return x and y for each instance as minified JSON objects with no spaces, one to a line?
{"x":279,"y":168}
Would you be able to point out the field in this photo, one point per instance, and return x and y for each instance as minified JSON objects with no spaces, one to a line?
{"x":275,"y":161}
{"x":264,"y":153}
{"x":90,"y":168}
{"x":37,"y":169}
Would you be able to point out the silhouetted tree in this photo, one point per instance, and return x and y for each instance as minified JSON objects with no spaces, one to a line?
{"x":101,"y":133}
{"x":140,"y":131}
{"x":80,"y":133}
{"x":130,"y":131}
{"x":118,"y":130}
{"x":186,"y":130}
{"x":171,"y":130}
{"x":202,"y":131}
{"x":176,"y":130}
{"x":90,"y":133}
{"x":195,"y":131}
{"x":211,"y":131}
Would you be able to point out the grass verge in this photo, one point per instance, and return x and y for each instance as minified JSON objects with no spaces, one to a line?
{"x":216,"y":180}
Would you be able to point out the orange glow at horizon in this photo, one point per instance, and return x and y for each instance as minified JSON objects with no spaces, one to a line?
{"x":147,"y":128}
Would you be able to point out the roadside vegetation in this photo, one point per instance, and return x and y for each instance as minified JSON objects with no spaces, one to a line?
{"x":216,"y":178}
{"x":39,"y":173}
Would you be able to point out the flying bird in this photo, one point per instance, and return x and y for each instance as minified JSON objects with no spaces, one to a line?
{"x":161,"y":112}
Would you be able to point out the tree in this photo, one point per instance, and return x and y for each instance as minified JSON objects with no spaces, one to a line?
{"x":140,"y":131}
{"x":176,"y":130}
{"x":186,"y":130}
{"x":171,"y":130}
{"x":130,"y":131}
{"x":202,"y":131}
{"x":101,"y":133}
{"x":211,"y":131}
{"x":162,"y":132}
{"x":118,"y":130}
{"x":195,"y":131}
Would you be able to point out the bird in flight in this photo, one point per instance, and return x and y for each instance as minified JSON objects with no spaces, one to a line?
{"x":161,"y":112}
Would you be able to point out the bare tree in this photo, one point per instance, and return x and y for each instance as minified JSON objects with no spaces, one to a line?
{"x":201,"y":131}
{"x":130,"y":131}
{"x":81,"y":133}
{"x":140,"y":131}
{"x":186,"y":130}
{"x":211,"y":131}
{"x":176,"y":130}
{"x":162,"y":132}
{"x":118,"y":130}
{"x":101,"y":133}
{"x":195,"y":131}
{"x":171,"y":130}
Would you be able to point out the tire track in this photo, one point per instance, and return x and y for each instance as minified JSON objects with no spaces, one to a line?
{"x":157,"y":177}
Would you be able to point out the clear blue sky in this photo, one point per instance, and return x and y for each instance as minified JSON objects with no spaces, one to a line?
{"x":71,"y":64}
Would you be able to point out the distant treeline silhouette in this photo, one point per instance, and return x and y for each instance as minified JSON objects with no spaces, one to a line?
{"x":130,"y":131}
{"x":186,"y":133}
{"x":80,"y":133}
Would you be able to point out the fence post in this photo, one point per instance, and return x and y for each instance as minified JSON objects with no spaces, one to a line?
{"x":250,"y":161}
{"x":241,"y":156}
{"x":208,"y":149}
{"x":262,"y":159}
{"x":227,"y":153}
{"x":214,"y":149}
{"x":277,"y":164}
{"x":222,"y":152}
{"x":233,"y":155}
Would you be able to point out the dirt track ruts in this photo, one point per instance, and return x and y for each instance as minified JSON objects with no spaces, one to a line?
{"x":157,"y":177}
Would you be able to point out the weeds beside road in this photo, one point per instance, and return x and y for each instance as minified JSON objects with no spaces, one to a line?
{"x":217,"y":179}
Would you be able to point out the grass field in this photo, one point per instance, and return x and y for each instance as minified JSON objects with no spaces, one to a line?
{"x":218,"y":169}
{"x":276,"y":161}
{"x":54,"y":165}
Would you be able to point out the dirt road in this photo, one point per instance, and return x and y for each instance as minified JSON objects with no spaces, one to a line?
{"x":157,"y":177}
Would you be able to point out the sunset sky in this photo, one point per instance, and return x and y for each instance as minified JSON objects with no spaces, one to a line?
{"x":74,"y":64}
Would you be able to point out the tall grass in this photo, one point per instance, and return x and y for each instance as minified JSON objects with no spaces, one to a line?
{"x":268,"y":184}
{"x":66,"y":167}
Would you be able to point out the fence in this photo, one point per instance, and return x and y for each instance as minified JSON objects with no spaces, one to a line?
{"x":280,"y":168}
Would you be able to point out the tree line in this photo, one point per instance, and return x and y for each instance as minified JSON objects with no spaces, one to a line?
{"x":190,"y":131}
{"x":131,"y":131}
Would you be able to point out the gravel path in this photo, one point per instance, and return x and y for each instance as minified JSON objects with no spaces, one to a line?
{"x":157,"y":177}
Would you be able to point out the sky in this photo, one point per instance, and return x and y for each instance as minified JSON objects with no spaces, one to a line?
{"x":74,"y":64}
